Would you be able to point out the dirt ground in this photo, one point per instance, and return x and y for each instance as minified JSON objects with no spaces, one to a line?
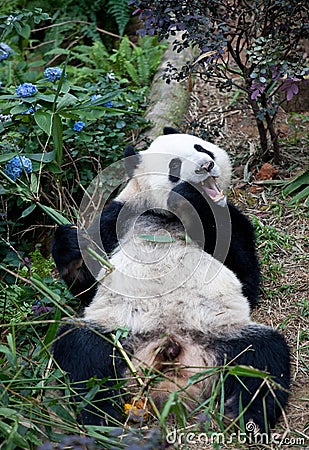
{"x":284,"y":259}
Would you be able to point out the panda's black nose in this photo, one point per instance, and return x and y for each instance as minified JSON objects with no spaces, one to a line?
{"x":207,"y":167}
{"x":210,"y":166}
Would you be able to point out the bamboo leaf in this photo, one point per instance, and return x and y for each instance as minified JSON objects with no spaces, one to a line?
{"x":157,"y":239}
{"x":171,"y":401}
{"x":303,"y":193}
{"x":13,"y":436}
{"x":28,"y":211}
{"x":52,"y":329}
{"x":300,"y":180}
{"x":63,"y":413}
{"x":55,"y":215}
{"x":34,"y":183}
{"x":9,"y":412}
{"x":57,"y":133}
{"x":246,"y":371}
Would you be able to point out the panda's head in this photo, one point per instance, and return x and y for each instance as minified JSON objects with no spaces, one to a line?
{"x":172,"y":159}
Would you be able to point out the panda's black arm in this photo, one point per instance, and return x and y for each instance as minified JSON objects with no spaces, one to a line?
{"x":265,"y":349}
{"x":68,"y":248}
{"x":240,"y":257}
{"x":67,"y":256}
{"x":85,"y":352}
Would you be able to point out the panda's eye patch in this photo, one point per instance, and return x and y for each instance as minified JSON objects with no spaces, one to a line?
{"x":174,"y":170}
{"x":199,"y":148}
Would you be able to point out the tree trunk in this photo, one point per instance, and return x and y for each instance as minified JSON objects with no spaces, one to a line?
{"x":271,"y":128}
{"x":168,"y":102}
{"x":274,"y":137}
{"x":261,"y":128}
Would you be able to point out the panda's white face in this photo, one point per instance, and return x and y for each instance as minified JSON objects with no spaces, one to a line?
{"x":172,"y":159}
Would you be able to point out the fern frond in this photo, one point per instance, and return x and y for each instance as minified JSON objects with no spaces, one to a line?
{"x":100,"y":55}
{"x":125,"y":49}
{"x":121,"y":12}
{"x":143,"y":68}
{"x":133,"y":73}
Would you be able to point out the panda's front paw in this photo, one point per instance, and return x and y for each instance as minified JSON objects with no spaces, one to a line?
{"x":65,"y":246}
{"x":187,"y":214}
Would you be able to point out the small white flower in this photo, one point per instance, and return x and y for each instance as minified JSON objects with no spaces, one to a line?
{"x":110,"y":76}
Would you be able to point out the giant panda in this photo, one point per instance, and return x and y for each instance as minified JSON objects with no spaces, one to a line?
{"x":180,"y":309}
{"x":228,"y":234}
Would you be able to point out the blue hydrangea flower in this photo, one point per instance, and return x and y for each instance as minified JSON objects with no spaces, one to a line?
{"x":26,"y":90}
{"x":97,"y":96}
{"x":53,"y":73}
{"x":5,"y":51}
{"x":78,"y":126}
{"x":30,"y":110}
{"x":15,"y":167}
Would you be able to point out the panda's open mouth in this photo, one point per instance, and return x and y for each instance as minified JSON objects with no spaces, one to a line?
{"x":211,"y":189}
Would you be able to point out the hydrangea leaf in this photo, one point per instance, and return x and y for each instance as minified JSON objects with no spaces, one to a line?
{"x":44,"y":121}
{"x":25,"y":31}
{"x":19,"y":109}
{"x":66,"y":101}
{"x":50,"y":98}
{"x":42,"y":157}
{"x":6,"y":157}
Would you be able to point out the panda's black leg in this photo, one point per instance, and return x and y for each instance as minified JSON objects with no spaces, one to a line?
{"x":266,"y":350}
{"x":84,"y":352}
{"x":72,"y":269}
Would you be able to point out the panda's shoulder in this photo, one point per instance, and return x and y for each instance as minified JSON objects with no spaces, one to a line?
{"x":239,"y":218}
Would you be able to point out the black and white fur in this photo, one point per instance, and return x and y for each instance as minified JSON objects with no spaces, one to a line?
{"x":217,"y":221}
{"x":183,"y":309}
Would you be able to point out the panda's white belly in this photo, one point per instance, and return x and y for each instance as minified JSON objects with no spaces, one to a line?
{"x":168,"y":286}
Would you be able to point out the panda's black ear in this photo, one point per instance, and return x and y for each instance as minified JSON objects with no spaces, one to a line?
{"x":131,"y":160}
{"x":170,"y":130}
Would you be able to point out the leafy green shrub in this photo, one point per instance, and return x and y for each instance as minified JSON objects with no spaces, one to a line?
{"x":20,"y":300}
{"x":64,"y":116}
{"x":15,"y":303}
{"x":253,"y":46}
{"x":71,"y":125}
